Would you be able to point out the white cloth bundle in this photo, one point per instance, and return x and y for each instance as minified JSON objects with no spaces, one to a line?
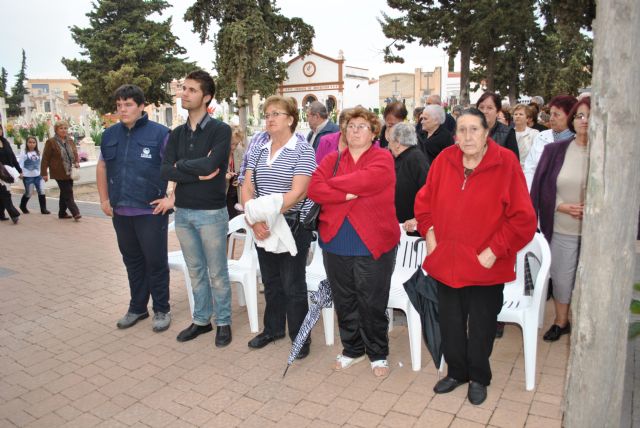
{"x":13,"y":172}
{"x":267,"y":209}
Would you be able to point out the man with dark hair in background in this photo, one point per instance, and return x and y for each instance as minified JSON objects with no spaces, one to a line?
{"x":196,"y":158}
{"x":129,"y":182}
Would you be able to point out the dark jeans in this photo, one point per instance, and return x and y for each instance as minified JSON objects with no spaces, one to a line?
{"x":143,"y":244}
{"x":468,"y":319}
{"x":285,"y":287}
{"x":66,"y":198}
{"x":360,"y":287}
{"x":7,"y":203}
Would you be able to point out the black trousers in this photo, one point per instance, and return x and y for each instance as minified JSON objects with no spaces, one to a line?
{"x":468,"y":319}
{"x":360,"y":287}
{"x":285,"y":287}
{"x":7,"y":203}
{"x":66,"y":198}
{"x":143,"y":244}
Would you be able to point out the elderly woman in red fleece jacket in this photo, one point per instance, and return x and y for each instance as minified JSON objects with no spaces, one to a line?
{"x":358,"y":234}
{"x":476,"y":214}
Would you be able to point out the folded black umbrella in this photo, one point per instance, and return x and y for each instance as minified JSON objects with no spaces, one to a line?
{"x":423,"y":294}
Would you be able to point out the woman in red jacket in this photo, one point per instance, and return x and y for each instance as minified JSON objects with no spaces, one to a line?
{"x":476,"y":214}
{"x":358,"y":234}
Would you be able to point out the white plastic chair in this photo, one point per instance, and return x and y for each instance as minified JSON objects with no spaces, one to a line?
{"x":243,"y":271}
{"x":411,"y":254}
{"x":528,"y":311}
{"x":315,"y":273}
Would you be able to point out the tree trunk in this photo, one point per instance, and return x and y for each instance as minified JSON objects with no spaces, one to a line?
{"x":465,"y":60}
{"x":513,"y":86}
{"x":491,"y":70}
{"x":242,"y":103}
{"x":605,"y":272}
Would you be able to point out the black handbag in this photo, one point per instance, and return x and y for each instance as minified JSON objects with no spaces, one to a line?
{"x":310,"y":222}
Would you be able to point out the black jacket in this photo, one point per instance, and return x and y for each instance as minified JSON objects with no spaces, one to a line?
{"x":439,"y":140}
{"x":412,"y":168}
{"x":505,"y":137}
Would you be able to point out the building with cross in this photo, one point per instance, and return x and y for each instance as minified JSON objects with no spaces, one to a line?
{"x":411,"y":88}
{"x":333,"y":82}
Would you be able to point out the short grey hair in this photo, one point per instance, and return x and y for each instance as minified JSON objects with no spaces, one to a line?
{"x":404,"y":134}
{"x":434,"y":99}
{"x":436,"y":111}
{"x":538,"y":100}
{"x":318,"y":108}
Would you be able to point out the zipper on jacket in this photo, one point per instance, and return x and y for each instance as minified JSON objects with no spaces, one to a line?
{"x":464,"y":183}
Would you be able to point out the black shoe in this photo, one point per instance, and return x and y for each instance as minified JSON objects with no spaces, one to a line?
{"x":555,"y":332}
{"x":193,"y":331}
{"x":499,"y":330}
{"x":263,"y":339}
{"x":446,"y":384}
{"x":223,"y":335}
{"x":3,"y":218}
{"x":304,"y":351}
{"x":64,"y":216}
{"x":477,"y":393}
{"x":77,"y":217}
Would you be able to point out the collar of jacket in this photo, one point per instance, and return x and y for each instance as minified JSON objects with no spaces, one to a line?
{"x":491,"y":159}
{"x":140,"y":122}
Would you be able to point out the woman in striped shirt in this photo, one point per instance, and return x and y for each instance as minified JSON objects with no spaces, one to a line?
{"x":283,"y":164}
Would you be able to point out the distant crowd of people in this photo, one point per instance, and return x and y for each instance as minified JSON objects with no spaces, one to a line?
{"x":475,"y":183}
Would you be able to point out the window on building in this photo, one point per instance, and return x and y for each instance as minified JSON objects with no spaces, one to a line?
{"x":40,"y":88}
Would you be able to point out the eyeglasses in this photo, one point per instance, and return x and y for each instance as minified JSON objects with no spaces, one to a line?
{"x":275,"y":114}
{"x":360,"y":127}
{"x":581,"y":116}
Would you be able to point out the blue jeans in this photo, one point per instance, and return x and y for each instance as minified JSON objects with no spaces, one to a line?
{"x":203,"y":239}
{"x":35,"y":182}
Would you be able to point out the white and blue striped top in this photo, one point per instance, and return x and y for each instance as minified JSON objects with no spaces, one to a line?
{"x":276,"y":175}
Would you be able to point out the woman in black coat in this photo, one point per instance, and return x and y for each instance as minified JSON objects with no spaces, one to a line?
{"x":7,"y":157}
{"x":412,"y":168}
{"x":489,"y":104}
{"x":438,"y":136}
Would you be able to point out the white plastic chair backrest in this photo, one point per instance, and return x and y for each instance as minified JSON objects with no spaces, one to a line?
{"x":317,"y":263}
{"x":411,"y":254}
{"x":235,"y":224}
{"x":538,"y":248}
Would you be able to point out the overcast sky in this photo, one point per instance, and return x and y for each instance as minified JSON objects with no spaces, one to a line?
{"x":41,"y":27}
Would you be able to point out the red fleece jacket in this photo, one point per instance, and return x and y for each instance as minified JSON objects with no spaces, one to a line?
{"x":373,"y":213}
{"x":491,"y":208}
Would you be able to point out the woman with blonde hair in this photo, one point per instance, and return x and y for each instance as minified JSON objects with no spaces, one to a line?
{"x":58,"y":158}
{"x":525,"y":135}
{"x":280,"y":168}
{"x":235,"y":159}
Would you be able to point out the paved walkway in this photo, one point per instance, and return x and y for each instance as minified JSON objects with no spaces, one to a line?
{"x":63,"y":362}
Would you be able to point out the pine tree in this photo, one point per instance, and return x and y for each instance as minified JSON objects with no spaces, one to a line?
{"x":3,"y":83}
{"x":18,"y":91}
{"x":250,"y":43}
{"x":122,"y":45}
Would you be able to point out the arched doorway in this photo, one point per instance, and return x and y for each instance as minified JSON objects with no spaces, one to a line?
{"x":308,"y":99}
{"x":331,"y":103}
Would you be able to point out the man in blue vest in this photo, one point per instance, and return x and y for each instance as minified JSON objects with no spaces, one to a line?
{"x":129,"y":181}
